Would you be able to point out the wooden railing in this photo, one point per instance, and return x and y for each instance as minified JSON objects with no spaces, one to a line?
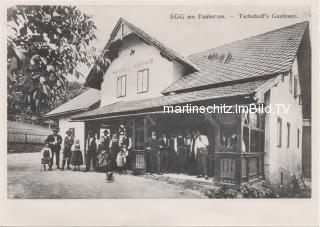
{"x":237,"y":168}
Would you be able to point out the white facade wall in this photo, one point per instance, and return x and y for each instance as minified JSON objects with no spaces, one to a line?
{"x":162,"y":72}
{"x":285,"y":160}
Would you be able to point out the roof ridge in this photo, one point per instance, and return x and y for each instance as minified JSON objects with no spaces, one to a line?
{"x":278,"y":29}
{"x":155,"y":41}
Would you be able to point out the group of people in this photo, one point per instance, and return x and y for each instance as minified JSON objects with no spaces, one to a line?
{"x":178,"y":153}
{"x":109,"y":153}
{"x":175,"y":153}
{"x":72,"y":153}
{"x":105,"y":154}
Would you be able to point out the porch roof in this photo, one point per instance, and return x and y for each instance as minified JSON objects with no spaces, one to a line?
{"x":81,"y":102}
{"x":139,"y":106}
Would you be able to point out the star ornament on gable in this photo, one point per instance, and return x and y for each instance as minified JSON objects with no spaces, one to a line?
{"x":132,"y":52}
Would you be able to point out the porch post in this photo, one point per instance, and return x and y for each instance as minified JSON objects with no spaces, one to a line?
{"x":239,"y":130}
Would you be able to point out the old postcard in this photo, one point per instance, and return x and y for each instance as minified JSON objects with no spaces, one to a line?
{"x":123,"y":102}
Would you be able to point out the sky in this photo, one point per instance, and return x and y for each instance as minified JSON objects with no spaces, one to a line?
{"x":188,"y":36}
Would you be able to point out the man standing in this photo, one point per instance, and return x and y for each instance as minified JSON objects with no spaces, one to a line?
{"x":164,"y":153}
{"x":201,"y":149}
{"x":173,"y":156}
{"x":121,"y":131}
{"x":179,"y":147}
{"x":154,"y":154}
{"x":68,"y":142}
{"x":91,"y":152}
{"x":54,"y":140}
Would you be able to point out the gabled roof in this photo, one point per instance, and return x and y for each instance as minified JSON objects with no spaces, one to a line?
{"x":270,"y":53}
{"x":81,"y":102}
{"x":91,"y":81}
{"x":151,"y":40}
{"x":139,"y":106}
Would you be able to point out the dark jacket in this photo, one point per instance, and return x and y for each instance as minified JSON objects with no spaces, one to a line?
{"x":68,"y":143}
{"x":56,"y":146}
{"x":164,"y":145}
{"x":153,"y":144}
{"x":93,"y":146}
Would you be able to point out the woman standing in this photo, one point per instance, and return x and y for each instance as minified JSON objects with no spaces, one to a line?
{"x":76,"y":156}
{"x":114,"y":148}
{"x":102,"y":159}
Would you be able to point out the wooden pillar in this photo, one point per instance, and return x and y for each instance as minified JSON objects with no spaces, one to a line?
{"x":145,"y":130}
{"x":214,"y":162}
{"x":133,"y":139}
{"x":239,"y":143}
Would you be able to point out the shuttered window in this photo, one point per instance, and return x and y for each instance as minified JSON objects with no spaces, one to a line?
{"x":121,"y":86}
{"x":143,"y":81}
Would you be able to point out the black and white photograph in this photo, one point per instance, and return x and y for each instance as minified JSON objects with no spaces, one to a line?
{"x":134,"y":101}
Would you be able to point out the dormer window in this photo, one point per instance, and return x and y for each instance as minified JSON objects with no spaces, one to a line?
{"x":122,"y":30}
{"x":121,"y":86}
{"x":143,"y":81}
{"x":290,"y":81}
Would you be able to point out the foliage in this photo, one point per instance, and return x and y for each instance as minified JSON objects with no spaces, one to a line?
{"x":72,"y":90}
{"x":258,"y":190}
{"x":45,"y":45}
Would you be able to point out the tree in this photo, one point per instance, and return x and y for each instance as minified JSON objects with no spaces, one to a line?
{"x":45,"y":45}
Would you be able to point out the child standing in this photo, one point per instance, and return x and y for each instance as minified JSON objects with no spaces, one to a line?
{"x":46,"y":155}
{"x":121,"y":157}
{"x":76,"y":157}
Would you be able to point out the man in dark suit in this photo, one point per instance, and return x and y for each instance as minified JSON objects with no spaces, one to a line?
{"x":68,"y":142}
{"x":54,"y":140}
{"x":154,"y":153}
{"x":91,"y":151}
{"x":164,"y":153}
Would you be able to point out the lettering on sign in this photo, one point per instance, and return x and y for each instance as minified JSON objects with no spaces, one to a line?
{"x":137,"y":65}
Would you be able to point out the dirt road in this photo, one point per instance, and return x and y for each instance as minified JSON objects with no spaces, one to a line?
{"x":26,"y":181}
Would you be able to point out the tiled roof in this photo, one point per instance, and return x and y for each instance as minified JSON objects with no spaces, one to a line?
{"x":236,"y":90}
{"x":81,"y":102}
{"x":266,"y":54}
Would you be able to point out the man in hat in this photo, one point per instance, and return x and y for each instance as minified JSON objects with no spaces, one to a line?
{"x":54,"y":140}
{"x":68,"y":142}
{"x":92,"y":146}
{"x":106,"y":138}
{"x":121,"y":131}
{"x":154,"y":153}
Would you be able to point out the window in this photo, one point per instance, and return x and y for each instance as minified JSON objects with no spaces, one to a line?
{"x":295,"y":87}
{"x":298,"y":138}
{"x":300,"y":100}
{"x":123,"y":30}
{"x":279,"y":132}
{"x":290,"y":81}
{"x":143,"y":81}
{"x":121,"y":86}
{"x":288,"y":134}
{"x":253,"y":133}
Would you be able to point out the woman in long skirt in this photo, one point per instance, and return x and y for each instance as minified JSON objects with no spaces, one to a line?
{"x":114,"y":149}
{"x":102,"y":159}
{"x":76,"y":156}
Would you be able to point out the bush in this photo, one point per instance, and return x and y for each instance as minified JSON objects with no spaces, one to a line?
{"x":258,"y":190}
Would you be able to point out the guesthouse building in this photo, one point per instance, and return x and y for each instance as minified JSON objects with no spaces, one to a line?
{"x":270,"y":69}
